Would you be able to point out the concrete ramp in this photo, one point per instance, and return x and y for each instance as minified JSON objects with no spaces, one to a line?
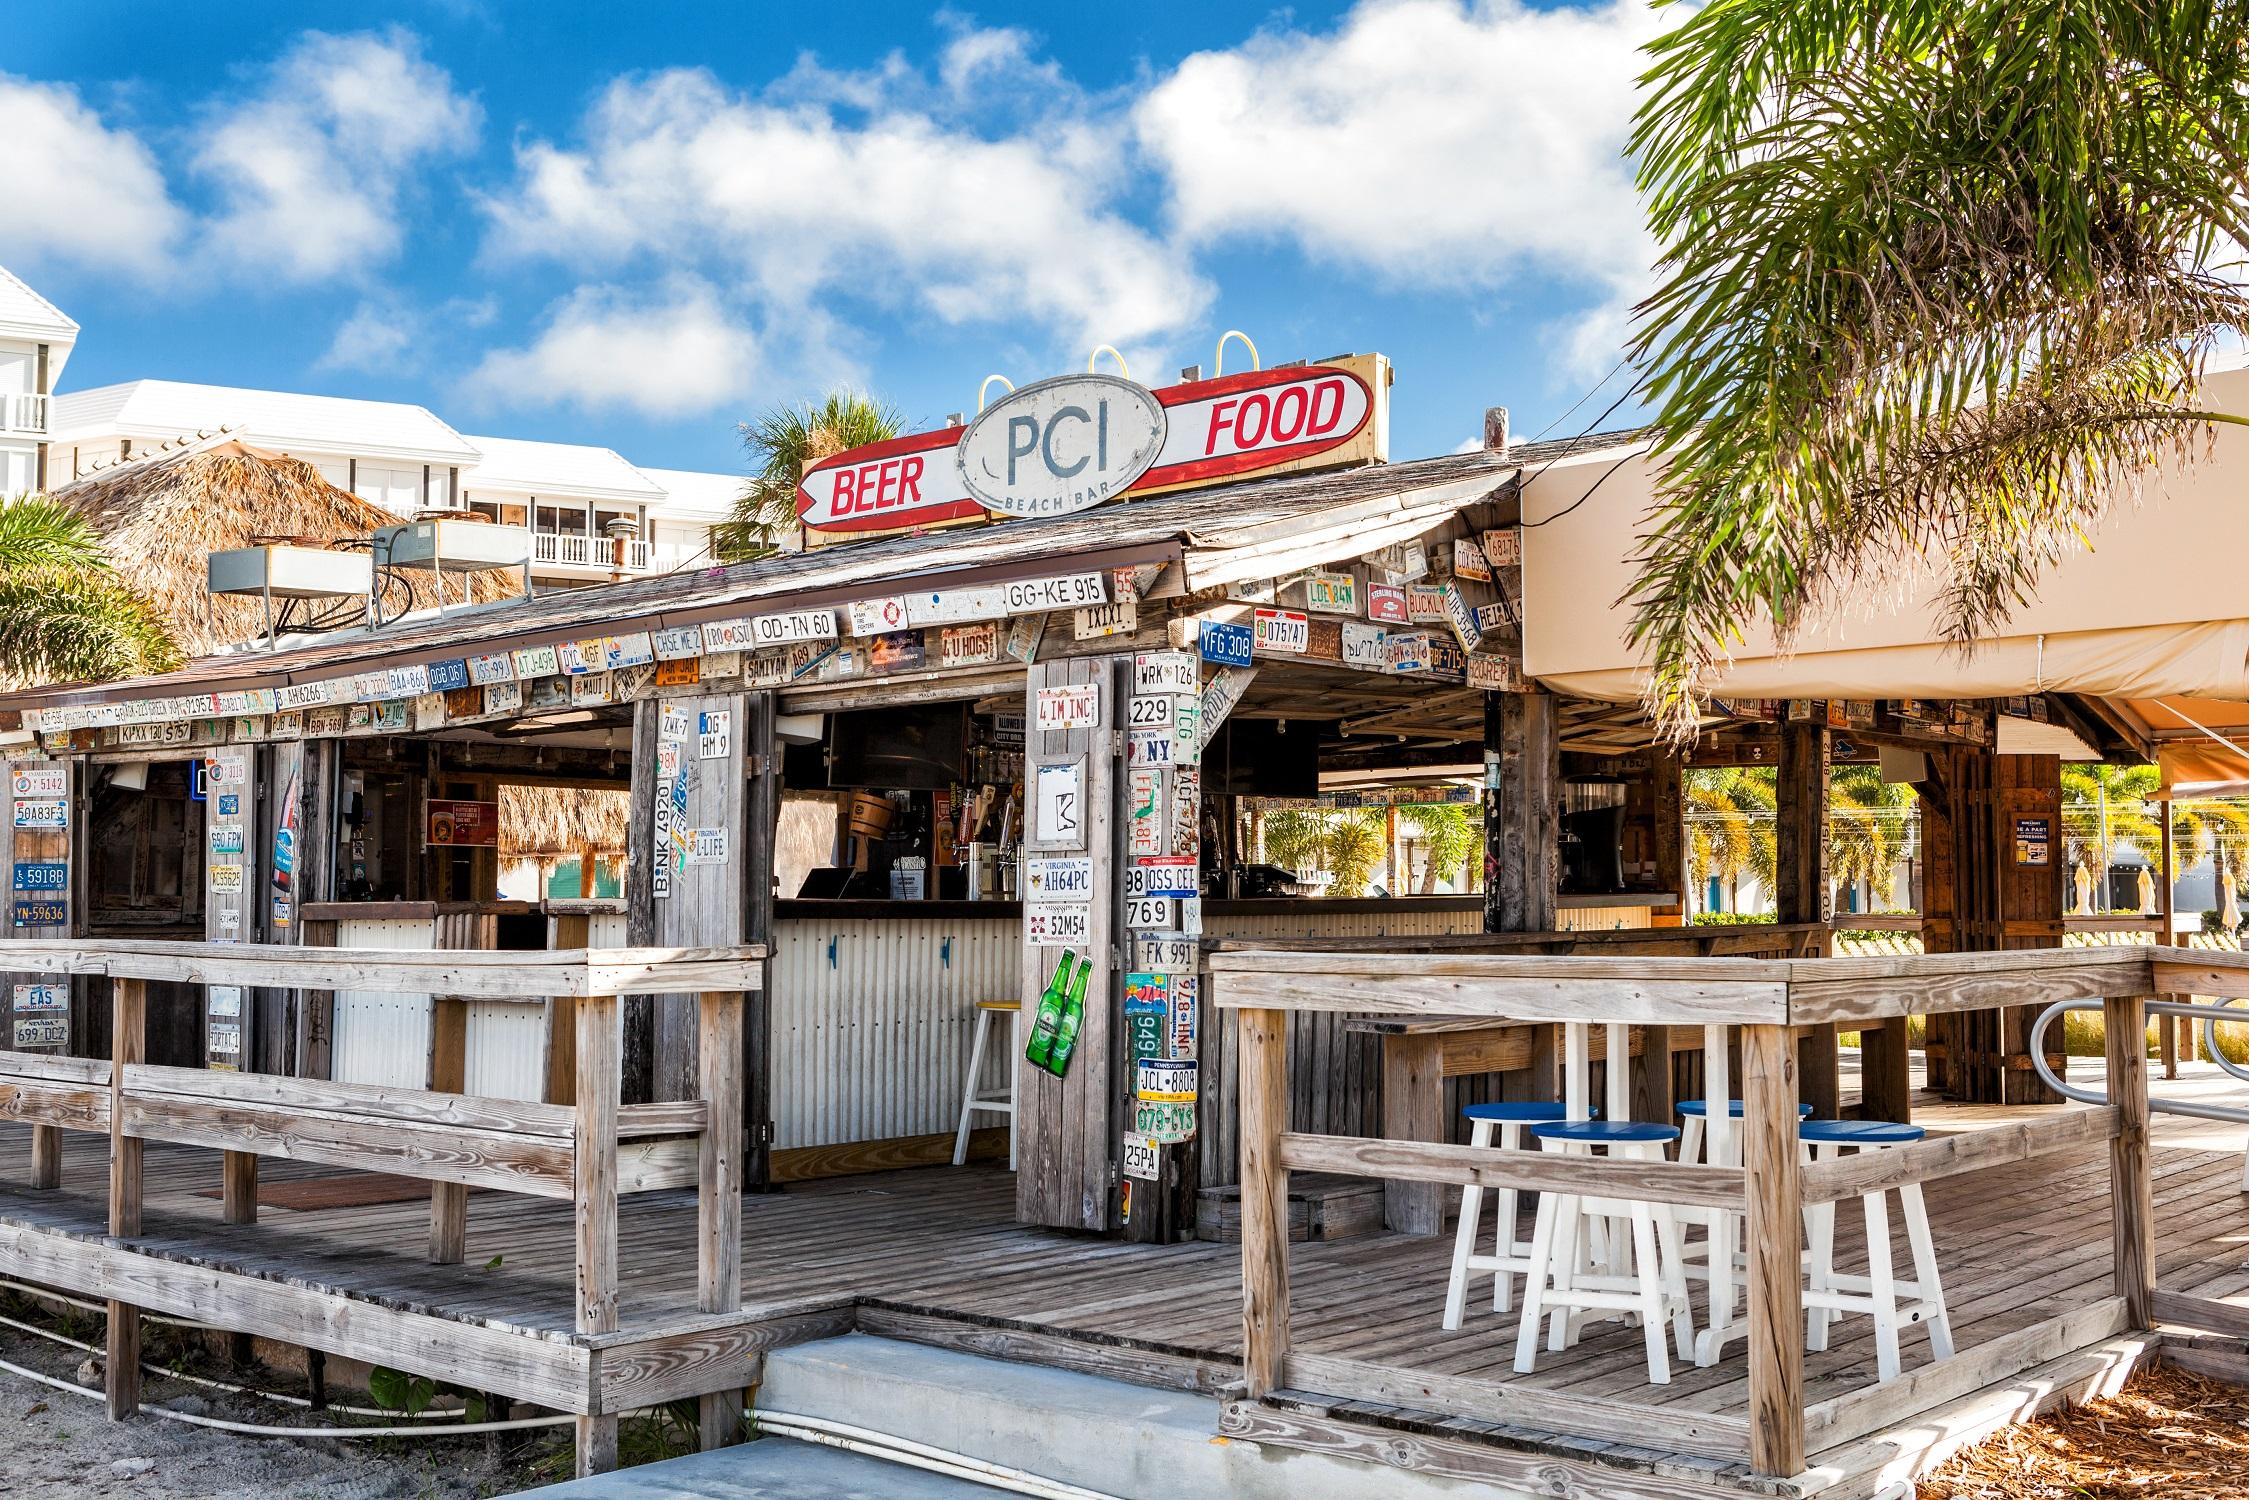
{"x":770,"y":1469}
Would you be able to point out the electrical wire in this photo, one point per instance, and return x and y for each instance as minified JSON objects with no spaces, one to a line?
{"x":255,"y":1429}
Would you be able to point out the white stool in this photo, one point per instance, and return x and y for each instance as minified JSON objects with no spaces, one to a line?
{"x":1721,"y":1227}
{"x":1893,"y":1303}
{"x":1002,"y":1102}
{"x":1510,"y":1257}
{"x":1645,"y":1275}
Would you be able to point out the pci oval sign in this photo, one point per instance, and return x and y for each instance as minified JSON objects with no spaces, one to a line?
{"x":1061,"y":445}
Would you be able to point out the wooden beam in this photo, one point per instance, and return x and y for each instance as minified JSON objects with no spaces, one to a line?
{"x":571,"y":930}
{"x":2131,"y":1193}
{"x":1774,"y":1237}
{"x":551,"y":1372}
{"x":1511,"y":1401}
{"x":2205,"y":1313}
{"x":46,"y":1148}
{"x":1261,"y":1040}
{"x":238,"y":1187}
{"x":478,"y":975}
{"x":593,"y":1162}
{"x":1524,"y":867}
{"x":1970,"y":1151}
{"x":718,"y":1190}
{"x":1872,"y":1408}
{"x":121,"y":1362}
{"x":448,"y":1074}
{"x":1413,"y":1109}
{"x":1484,"y":1466}
{"x":1533,"y":1171}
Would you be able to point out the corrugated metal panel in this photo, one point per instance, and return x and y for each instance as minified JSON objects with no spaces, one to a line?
{"x":385,"y":1039}
{"x":1311,"y":921}
{"x":506,"y":1057}
{"x":382,"y":1038}
{"x":872,"y":1022}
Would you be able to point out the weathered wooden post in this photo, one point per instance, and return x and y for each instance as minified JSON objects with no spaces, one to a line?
{"x":448,"y":1074}
{"x":1774,"y":1236}
{"x":1261,"y":1040}
{"x":1800,"y":891}
{"x":593,"y":1159}
{"x":2131,"y":1194}
{"x":121,"y":1362}
{"x":718,"y":1189}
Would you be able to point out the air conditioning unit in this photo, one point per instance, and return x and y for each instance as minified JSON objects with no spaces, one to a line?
{"x":454,"y":546}
{"x":280,"y":571}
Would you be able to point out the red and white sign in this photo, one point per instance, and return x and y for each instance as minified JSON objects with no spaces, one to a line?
{"x":907,"y":481}
{"x":1230,"y":427}
{"x":1238,"y":424}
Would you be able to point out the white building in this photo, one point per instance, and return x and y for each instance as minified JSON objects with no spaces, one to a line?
{"x":35,"y":342}
{"x":393,"y":453}
{"x":407,"y":458}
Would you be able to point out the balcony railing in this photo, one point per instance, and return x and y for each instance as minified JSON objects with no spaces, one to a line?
{"x":586,"y":551}
{"x":24,"y":411}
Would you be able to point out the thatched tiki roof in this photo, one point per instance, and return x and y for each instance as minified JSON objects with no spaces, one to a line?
{"x":162,"y":514}
{"x":544,"y":822}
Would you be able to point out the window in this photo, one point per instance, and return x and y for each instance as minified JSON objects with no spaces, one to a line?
{"x":494,"y":510}
{"x":603,"y":515}
{"x":563,"y":520}
{"x":399,"y":489}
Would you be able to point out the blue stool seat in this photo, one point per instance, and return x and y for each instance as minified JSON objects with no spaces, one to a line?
{"x":1859,"y":1133}
{"x":1606,"y":1132}
{"x":1701,"y":1107}
{"x":1523,"y":1112}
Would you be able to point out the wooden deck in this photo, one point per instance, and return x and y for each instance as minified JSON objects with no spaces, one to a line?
{"x":934,"y":1254}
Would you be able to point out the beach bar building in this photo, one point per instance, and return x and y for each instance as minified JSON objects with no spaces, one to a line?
{"x":943,"y":864}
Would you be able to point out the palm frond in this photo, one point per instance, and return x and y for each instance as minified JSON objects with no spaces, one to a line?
{"x":781,"y":445}
{"x":76,"y":625}
{"x":36,"y":532}
{"x":1939,"y":284}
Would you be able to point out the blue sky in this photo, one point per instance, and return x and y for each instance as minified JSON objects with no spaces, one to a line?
{"x":636,"y":225}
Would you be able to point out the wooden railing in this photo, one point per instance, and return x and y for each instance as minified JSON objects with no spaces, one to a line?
{"x":1769,"y":1001}
{"x":588,"y":1150}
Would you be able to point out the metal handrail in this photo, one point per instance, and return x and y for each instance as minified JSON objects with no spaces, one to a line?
{"x":2209,"y":1015}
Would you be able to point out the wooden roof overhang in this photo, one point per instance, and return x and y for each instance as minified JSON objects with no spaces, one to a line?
{"x":1201,"y":540}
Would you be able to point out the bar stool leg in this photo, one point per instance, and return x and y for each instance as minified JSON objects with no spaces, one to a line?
{"x":1464,"y":1237}
{"x":1647,"y":1265}
{"x":1819,"y":1228}
{"x":1690,"y":1140}
{"x":1507,"y":1201}
{"x":1014,"y":1075}
{"x":1883,"y":1287}
{"x":1569,"y":1217}
{"x":968,"y":1093}
{"x":1925,"y":1268}
{"x":1534,"y":1282}
{"x":1672,"y":1271}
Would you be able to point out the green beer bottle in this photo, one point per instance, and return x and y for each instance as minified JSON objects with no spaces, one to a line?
{"x":1049,"y":1017}
{"x":1073,"y":1016}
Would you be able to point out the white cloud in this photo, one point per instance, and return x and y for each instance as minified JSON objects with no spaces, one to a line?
{"x":79,"y":192}
{"x":1430,"y":142}
{"x":388,"y":336}
{"x":677,"y":353}
{"x":788,"y":203}
{"x":311,"y":170}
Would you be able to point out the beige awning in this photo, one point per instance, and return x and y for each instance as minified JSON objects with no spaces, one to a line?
{"x":2154,"y":610}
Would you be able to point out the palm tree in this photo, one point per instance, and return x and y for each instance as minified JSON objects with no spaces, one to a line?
{"x":1730,"y":811}
{"x":1869,"y":829}
{"x":1939,"y":277}
{"x":782,"y":444}
{"x":2104,"y":804}
{"x":1454,"y":831}
{"x":65,"y":615}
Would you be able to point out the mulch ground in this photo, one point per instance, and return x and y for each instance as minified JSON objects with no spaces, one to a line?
{"x":2168,"y":1435}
